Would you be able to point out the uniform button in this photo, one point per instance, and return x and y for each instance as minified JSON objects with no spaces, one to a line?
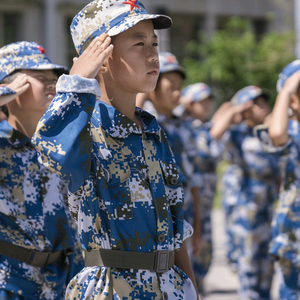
{"x":2,"y":181}
{"x":166,"y":297}
{"x":161,"y":238}
{"x":174,"y":181}
{"x":43,"y":191}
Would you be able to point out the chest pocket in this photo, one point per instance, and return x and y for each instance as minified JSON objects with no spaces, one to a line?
{"x":11,"y":191}
{"x":173,"y":185}
{"x":119,"y":206}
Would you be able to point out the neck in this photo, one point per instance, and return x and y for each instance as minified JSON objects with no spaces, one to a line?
{"x":125,"y":104}
{"x":25,"y":123}
{"x":167,"y":113}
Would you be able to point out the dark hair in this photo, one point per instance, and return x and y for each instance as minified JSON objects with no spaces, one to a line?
{"x":11,"y":77}
{"x":4,"y":110}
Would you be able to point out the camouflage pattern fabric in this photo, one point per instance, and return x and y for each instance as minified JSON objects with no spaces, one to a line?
{"x":285,"y":245}
{"x":26,"y":55}
{"x":34,"y":214}
{"x":183,"y":144}
{"x":125,"y":190}
{"x":251,"y":215}
{"x":111,"y":17}
{"x":209,"y":153}
{"x":231,"y":185}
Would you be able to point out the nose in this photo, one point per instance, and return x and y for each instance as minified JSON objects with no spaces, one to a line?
{"x":153,"y":54}
{"x":51,"y":83}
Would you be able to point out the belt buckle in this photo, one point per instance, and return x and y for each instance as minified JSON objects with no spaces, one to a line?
{"x":161,"y":263}
{"x":38,"y":259}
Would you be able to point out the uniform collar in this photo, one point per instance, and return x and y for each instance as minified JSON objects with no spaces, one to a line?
{"x":118,"y":125}
{"x":14,"y":137}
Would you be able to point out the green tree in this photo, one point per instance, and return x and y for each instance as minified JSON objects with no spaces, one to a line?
{"x":234,"y":58}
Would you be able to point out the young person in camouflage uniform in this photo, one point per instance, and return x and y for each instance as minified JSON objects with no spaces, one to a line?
{"x":39,"y":249}
{"x":258,"y":176}
{"x":196,"y":107}
{"x":282,"y":139}
{"x":163,"y":100}
{"x":126,"y":192}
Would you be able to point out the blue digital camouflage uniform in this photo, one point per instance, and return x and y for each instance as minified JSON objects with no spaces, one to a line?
{"x":209,"y":152}
{"x":252,"y":209}
{"x":34,"y":214}
{"x":285,"y":245}
{"x":230,"y":186}
{"x":125,"y":190}
{"x":182,"y":141}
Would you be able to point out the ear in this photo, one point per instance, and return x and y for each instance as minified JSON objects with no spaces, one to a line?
{"x":104,"y":67}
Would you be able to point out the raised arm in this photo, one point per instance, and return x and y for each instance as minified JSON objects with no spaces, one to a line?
{"x":278,"y":128}
{"x":63,"y":134}
{"x":221,"y":124}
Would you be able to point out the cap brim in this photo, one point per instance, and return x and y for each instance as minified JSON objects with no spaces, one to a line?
{"x":159,"y":22}
{"x":63,"y":69}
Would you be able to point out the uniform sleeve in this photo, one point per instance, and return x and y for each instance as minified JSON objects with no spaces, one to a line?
{"x":63,"y":133}
{"x":6,"y":91}
{"x":261,"y":131}
{"x":190,"y":157}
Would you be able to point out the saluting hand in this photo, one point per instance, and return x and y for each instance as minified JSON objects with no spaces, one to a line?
{"x":19,"y":86}
{"x":88,"y":64}
{"x":291,"y":85}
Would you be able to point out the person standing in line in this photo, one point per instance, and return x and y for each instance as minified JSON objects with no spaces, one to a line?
{"x":281,"y":138}
{"x":39,"y":246}
{"x":251,"y":208}
{"x":197,"y":106}
{"x":125,"y":188}
{"x":162,"y":103}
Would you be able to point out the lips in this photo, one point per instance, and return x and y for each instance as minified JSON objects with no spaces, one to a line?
{"x":154,"y":72}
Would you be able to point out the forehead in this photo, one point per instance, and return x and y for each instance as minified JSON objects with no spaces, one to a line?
{"x":141,"y":29}
{"x":39,"y":72}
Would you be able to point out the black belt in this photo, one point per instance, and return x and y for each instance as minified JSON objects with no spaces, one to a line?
{"x":158,"y":261}
{"x":31,"y":257}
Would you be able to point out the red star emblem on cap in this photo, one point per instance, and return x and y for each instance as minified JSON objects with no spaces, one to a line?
{"x":41,"y":49}
{"x":171,"y":60}
{"x":132,"y":4}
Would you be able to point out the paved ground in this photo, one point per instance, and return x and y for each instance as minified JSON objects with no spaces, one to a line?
{"x":221,"y":283}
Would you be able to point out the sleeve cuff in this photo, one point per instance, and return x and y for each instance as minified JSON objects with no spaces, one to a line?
{"x":78,"y":84}
{"x":6,"y":91}
{"x":187,"y":230}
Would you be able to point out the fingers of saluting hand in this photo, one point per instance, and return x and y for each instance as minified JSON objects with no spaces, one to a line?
{"x":90,"y":61}
{"x":20,"y":84}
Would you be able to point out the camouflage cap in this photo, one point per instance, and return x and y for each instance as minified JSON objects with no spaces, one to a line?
{"x":288,"y":71}
{"x":169,"y":63}
{"x":248,"y":93}
{"x":111,"y":17}
{"x":195,"y":93}
{"x":25,"y":55}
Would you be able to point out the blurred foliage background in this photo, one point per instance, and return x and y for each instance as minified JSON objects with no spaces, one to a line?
{"x":235,"y":57}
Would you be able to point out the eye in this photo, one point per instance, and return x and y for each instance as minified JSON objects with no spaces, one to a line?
{"x":155,"y":44}
{"x":140,"y":44}
{"x":40,"y":77}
